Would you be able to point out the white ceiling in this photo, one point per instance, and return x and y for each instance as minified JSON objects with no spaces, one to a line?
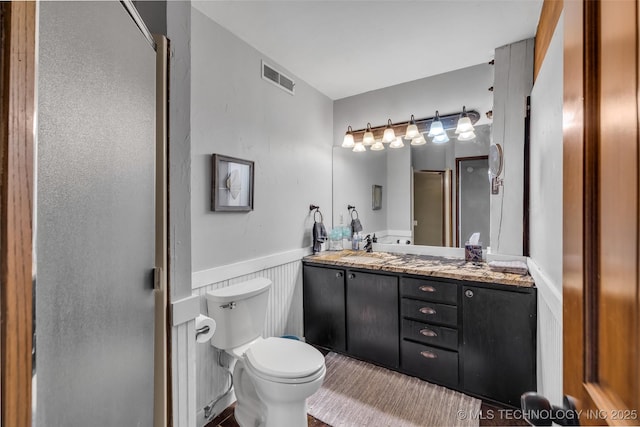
{"x":344,"y":48}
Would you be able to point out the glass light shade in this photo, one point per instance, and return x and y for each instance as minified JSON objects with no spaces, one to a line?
{"x":441,"y":139}
{"x":368,"y":138}
{"x":419,"y":140}
{"x":412,"y":129}
{"x":464,"y":125}
{"x":466,"y":136}
{"x":377,"y":146}
{"x":359,"y":148}
{"x":389,"y":134}
{"x":435,"y":129}
{"x":412,"y":132}
{"x":348,"y":141}
{"x":397,"y":143}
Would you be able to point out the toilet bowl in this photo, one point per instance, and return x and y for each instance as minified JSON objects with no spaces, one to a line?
{"x":273,"y":380}
{"x":272,"y":377}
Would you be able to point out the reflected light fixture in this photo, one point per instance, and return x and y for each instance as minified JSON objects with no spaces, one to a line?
{"x":442,"y":138}
{"x":419,"y":140}
{"x":466,"y":136}
{"x":412,"y":130}
{"x":464,"y":123}
{"x":377,"y":146}
{"x":389,"y":134}
{"x":359,"y":147}
{"x":368,"y":138}
{"x":436,"y":127}
{"x":397,"y":143}
{"x":348,"y":141}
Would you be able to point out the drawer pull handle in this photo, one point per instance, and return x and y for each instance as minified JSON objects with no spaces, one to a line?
{"x":338,"y":274}
{"x":427,"y":310}
{"x":352,"y":276}
{"x":427,"y":288}
{"x":428,"y":355}
{"x":428,"y":332}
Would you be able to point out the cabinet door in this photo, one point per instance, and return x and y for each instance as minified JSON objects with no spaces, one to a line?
{"x":324,"y":307}
{"x":372,"y":318}
{"x":499,"y":343}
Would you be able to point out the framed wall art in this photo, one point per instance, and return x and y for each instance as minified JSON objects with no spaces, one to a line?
{"x":232,"y":184}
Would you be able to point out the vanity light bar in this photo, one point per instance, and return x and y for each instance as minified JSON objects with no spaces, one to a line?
{"x":449,"y":121}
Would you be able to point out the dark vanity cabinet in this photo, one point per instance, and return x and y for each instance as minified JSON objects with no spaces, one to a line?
{"x":372,"y":317}
{"x":324,"y":307}
{"x":498,"y":341}
{"x":479,"y":338}
{"x":429,"y":343}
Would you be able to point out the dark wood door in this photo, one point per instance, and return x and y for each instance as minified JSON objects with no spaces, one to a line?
{"x":499,"y":343}
{"x":324,"y":307}
{"x":372,"y":317}
{"x":600,"y":209}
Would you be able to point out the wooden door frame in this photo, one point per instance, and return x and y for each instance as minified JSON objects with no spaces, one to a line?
{"x":16,"y":207}
{"x":443,"y":173}
{"x":582,"y":221}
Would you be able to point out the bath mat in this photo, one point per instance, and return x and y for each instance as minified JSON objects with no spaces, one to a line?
{"x":356,"y":393}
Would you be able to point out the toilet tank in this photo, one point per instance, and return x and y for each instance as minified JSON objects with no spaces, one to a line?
{"x":239,"y":311}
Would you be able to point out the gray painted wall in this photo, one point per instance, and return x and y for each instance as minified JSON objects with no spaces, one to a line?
{"x":546,"y":213}
{"x":235,"y":112}
{"x":445,"y":92}
{"x":545,"y":238}
{"x":513,"y":82}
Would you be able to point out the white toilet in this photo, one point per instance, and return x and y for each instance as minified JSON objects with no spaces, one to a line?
{"x":273,"y":376}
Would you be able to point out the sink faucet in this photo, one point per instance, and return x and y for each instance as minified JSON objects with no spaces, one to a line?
{"x":369,"y":244}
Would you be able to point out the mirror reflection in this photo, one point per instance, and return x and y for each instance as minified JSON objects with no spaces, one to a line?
{"x":433,"y":194}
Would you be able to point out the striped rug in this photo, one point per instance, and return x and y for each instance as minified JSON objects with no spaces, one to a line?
{"x":356,"y":393}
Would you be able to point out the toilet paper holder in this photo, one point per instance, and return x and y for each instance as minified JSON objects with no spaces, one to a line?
{"x":202,"y":330}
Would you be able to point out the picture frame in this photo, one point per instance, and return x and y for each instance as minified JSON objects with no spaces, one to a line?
{"x":232,"y":182}
{"x":376,"y":197}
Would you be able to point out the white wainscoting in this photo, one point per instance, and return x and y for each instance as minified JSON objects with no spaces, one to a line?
{"x":549,"y":357}
{"x":183,"y":367}
{"x":284,"y":317}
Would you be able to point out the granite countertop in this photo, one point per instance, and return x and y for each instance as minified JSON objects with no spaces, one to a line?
{"x":424,"y":265}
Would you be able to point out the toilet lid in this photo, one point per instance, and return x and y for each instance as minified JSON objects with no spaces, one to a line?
{"x":284,"y":358}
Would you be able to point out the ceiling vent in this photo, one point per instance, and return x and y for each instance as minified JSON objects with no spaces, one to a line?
{"x":275,"y":77}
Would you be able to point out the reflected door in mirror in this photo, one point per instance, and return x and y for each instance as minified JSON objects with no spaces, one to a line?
{"x":432,"y":207}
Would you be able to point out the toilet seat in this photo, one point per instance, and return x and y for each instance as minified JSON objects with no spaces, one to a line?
{"x":284,"y":360}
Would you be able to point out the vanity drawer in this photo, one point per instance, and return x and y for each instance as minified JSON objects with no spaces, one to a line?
{"x":430,"y":334}
{"x":430,"y":290}
{"x":430,"y":363}
{"x":430,"y":312}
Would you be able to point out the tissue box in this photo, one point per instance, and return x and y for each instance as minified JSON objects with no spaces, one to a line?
{"x":472,"y":253}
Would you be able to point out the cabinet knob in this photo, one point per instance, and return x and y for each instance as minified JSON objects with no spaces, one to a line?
{"x":352,"y":276}
{"x":427,"y":288}
{"x":339,"y":274}
{"x":468,"y":293}
{"x":428,"y":355}
{"x":428,"y":332}
{"x":427,"y":310}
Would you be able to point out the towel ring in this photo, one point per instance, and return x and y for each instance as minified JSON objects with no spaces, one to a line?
{"x":317,"y":211}
{"x":356,"y":212}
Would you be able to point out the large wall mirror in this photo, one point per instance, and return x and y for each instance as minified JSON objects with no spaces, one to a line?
{"x":433,"y":194}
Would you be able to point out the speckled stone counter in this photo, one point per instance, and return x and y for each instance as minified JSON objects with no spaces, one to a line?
{"x":452,"y":268}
